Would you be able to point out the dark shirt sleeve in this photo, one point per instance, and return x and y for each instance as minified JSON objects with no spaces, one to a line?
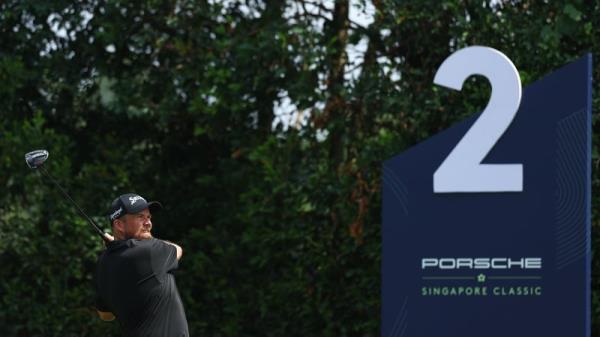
{"x":100,"y":304}
{"x":164,"y":257}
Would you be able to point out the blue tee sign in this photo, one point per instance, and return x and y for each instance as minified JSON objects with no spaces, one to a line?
{"x":486,"y":226}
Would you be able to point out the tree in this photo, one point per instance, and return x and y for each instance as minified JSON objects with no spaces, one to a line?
{"x":279,"y":214}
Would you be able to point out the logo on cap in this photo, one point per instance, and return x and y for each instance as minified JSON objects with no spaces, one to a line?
{"x":133,"y":200}
{"x":116,"y":213}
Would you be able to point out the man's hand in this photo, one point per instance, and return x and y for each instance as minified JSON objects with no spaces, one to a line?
{"x":108,"y":238}
{"x":106,"y":316}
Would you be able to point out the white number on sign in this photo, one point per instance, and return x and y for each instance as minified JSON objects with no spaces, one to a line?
{"x":462,"y":170}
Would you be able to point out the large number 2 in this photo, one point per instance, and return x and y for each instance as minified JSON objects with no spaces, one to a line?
{"x":462,"y":170}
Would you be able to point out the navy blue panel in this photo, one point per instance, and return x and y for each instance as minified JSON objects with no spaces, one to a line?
{"x":550,"y":219}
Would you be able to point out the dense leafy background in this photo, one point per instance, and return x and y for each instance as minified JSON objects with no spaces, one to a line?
{"x":175,"y":100}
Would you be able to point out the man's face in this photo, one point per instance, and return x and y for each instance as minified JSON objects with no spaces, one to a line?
{"x":137,"y":226}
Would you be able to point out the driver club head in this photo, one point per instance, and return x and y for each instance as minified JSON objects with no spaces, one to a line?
{"x":36,"y":158}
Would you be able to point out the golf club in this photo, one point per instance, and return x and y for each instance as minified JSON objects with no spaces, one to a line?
{"x":35,"y":160}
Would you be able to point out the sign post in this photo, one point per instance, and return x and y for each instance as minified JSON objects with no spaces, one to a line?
{"x":486,"y":226}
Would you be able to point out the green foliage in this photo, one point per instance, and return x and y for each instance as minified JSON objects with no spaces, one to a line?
{"x":175,"y":100}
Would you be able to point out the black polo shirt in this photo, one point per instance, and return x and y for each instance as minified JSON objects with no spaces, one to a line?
{"x":134,"y":281}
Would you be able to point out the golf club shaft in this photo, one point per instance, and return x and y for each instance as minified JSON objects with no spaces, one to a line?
{"x":98,"y":230}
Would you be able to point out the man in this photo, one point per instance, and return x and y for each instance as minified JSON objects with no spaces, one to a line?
{"x":134,"y":279}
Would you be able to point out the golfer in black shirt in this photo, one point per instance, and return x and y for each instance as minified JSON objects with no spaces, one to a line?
{"x":134,"y":277}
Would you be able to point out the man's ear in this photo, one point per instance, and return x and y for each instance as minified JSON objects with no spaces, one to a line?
{"x":119,"y":225}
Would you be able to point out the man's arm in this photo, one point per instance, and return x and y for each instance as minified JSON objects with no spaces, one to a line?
{"x":179,"y":250}
{"x":106,"y":316}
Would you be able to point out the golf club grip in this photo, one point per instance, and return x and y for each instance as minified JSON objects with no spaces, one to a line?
{"x":98,"y":230}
